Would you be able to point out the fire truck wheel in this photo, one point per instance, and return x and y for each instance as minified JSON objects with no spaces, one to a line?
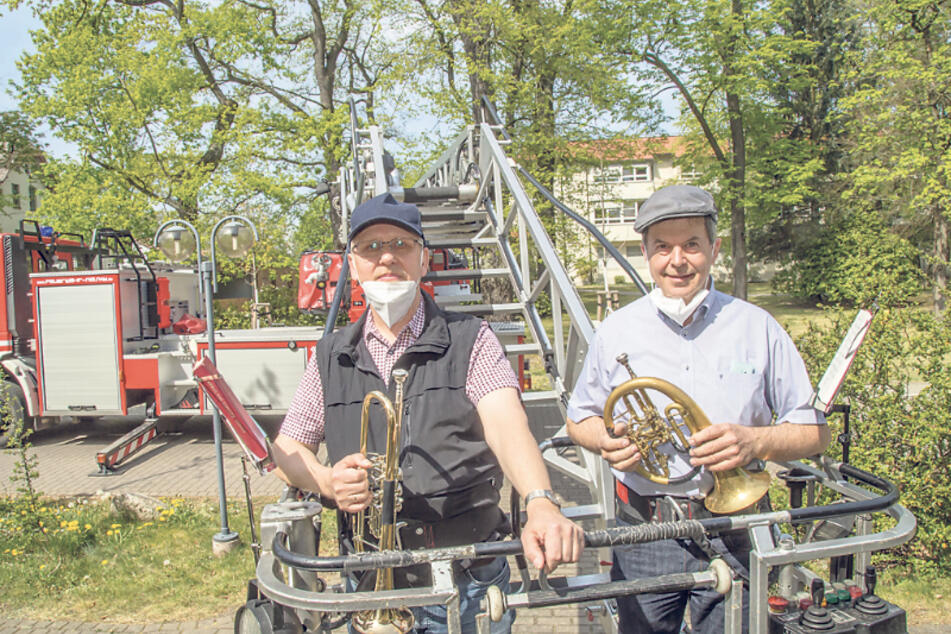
{"x":13,"y":416}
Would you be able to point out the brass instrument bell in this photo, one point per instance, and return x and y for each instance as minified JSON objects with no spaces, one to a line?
{"x":648,"y":428}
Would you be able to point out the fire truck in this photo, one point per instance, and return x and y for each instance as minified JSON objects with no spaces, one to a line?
{"x":95,"y":329}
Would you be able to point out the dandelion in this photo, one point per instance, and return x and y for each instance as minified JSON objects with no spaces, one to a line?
{"x":104,"y":562}
{"x":116,"y":526}
{"x":45,"y":530}
{"x":63,"y":524}
{"x":14,"y":552}
{"x":161,"y":519}
{"x":42,"y":566}
{"x":88,"y":527}
{"x":108,"y":533}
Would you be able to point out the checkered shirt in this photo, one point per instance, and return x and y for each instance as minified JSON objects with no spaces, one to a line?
{"x":489,"y":370}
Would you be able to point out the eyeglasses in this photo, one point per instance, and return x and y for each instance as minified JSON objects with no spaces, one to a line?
{"x":397,"y":246}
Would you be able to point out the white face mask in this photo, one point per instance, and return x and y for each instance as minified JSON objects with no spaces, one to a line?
{"x":390,"y":300}
{"x":675,"y":307}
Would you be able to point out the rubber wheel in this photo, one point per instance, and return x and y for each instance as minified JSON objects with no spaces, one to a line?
{"x":12,"y":411}
{"x":496,"y":603}
{"x":724,"y":575}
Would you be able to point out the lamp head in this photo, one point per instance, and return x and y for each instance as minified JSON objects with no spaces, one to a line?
{"x":177,"y":243}
{"x":235,"y":239}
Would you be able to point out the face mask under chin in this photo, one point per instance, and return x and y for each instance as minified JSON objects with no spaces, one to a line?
{"x":390,"y":300}
{"x":675,"y":307}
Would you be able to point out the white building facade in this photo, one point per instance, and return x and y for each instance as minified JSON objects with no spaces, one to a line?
{"x":613,"y":178}
{"x":20,"y":191}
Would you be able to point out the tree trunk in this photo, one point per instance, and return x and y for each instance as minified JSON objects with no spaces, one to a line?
{"x":736,"y":188}
{"x":940,"y":253}
{"x":475,"y":36}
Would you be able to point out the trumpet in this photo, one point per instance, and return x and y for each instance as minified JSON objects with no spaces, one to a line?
{"x":648,"y":428}
{"x":386,"y":502}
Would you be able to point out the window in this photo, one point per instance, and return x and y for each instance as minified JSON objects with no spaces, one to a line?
{"x":689,"y":174}
{"x":608,"y":174}
{"x":636,"y":174}
{"x":32,"y":195}
{"x":608,"y":213}
{"x":15,"y":194}
{"x":632,"y":251}
{"x":629,"y":210}
{"x":616,"y":212}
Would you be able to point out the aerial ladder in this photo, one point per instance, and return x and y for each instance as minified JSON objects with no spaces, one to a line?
{"x":473,"y":200}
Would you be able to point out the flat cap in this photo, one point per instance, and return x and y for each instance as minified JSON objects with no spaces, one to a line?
{"x":385,"y":208}
{"x":674,"y":201}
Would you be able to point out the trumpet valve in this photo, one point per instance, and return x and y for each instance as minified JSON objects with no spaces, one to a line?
{"x":392,"y":621}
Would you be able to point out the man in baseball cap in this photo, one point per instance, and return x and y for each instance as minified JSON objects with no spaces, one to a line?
{"x":463,"y":428}
{"x":734,"y":360}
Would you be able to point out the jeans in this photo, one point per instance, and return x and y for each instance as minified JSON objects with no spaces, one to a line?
{"x":664,"y":612}
{"x":472,"y":585}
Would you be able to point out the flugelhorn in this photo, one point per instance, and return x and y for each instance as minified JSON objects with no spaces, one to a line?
{"x":648,"y":429}
{"x":387,"y":499}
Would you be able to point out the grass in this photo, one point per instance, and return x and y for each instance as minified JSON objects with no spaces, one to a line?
{"x":109,"y":567}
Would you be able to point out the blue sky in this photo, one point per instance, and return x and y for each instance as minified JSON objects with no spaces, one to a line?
{"x":14,"y":33}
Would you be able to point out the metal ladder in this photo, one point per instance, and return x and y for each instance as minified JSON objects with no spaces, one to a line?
{"x":472,"y":200}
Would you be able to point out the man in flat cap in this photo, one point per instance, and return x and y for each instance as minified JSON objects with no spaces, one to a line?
{"x":734,"y":360}
{"x":463,"y":422}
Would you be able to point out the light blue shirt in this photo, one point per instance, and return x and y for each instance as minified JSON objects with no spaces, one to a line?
{"x":733,"y":359}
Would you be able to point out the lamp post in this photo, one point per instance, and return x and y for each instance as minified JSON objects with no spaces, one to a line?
{"x":237,"y":236}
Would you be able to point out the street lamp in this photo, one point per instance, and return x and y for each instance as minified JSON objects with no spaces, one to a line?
{"x":237,"y":236}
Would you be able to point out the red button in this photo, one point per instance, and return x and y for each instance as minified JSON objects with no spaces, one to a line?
{"x":777,"y":605}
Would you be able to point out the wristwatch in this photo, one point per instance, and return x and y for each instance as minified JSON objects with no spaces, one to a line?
{"x":548,"y":494}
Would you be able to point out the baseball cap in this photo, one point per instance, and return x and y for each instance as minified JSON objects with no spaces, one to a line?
{"x":674,"y":201}
{"x":385,"y":208}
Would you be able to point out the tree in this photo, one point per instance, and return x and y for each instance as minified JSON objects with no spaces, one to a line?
{"x":19,"y":144}
{"x":724,"y":59}
{"x":193,"y":108}
{"x":900,"y":126}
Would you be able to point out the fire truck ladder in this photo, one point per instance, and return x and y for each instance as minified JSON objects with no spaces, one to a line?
{"x":120,"y":247}
{"x":472,"y":201}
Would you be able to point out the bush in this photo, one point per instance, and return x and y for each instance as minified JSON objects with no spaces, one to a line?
{"x":853,"y":262}
{"x":898,"y":435}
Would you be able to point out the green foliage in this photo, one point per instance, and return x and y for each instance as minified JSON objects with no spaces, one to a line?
{"x":79,"y":550}
{"x":853,"y":262}
{"x":900,"y":432}
{"x":17,"y":438}
{"x":899,"y":124}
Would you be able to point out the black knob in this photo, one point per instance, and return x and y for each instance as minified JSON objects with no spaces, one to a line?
{"x":817,"y":591}
{"x":870,"y":579}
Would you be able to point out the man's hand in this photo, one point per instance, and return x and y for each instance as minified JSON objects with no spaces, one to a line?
{"x":350,"y":484}
{"x":548,"y":537}
{"x":724,"y":446}
{"x":619,"y":451}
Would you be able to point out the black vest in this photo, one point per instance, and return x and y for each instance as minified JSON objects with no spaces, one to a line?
{"x":448,"y":469}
